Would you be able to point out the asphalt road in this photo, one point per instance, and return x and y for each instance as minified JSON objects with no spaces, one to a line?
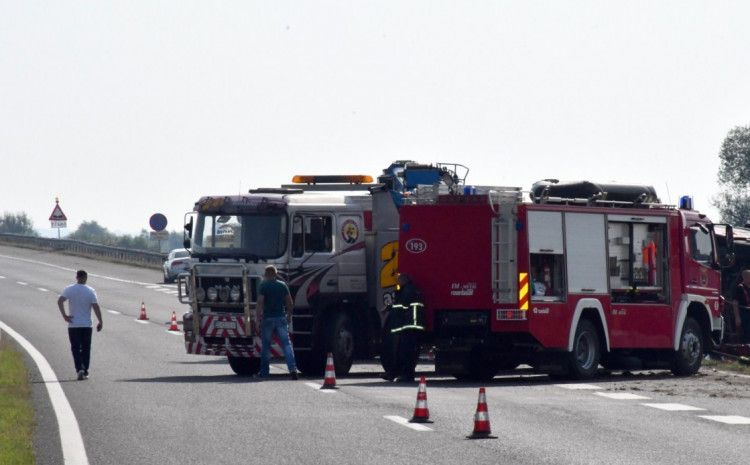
{"x":148,"y":402}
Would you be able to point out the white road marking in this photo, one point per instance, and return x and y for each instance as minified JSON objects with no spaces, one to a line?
{"x":317,"y":386}
{"x":73,"y":449}
{"x":404,"y":422}
{"x":22,"y":283}
{"x":579,"y":386}
{"x":43,"y":289}
{"x":176,"y":333}
{"x":143,"y":322}
{"x":674,"y":407}
{"x":2,"y":277}
{"x":114,"y":312}
{"x":728,"y":419}
{"x":621,"y":395}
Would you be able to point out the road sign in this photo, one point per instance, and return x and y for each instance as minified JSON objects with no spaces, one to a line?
{"x":58,"y":224}
{"x":158,"y":235}
{"x":57,"y":214}
{"x":158,"y":222}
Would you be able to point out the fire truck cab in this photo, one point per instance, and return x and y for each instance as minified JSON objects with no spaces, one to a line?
{"x":584,"y":274}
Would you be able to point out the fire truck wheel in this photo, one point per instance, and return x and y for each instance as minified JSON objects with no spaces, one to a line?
{"x":341,"y":342}
{"x":244,"y":366}
{"x":584,"y":360}
{"x":689,"y":356}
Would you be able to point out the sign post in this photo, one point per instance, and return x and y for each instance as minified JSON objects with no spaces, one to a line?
{"x":158,"y":223}
{"x":57,"y":218}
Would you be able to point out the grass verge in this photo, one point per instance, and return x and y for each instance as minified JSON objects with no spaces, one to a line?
{"x":16,"y":411}
{"x":727,"y":364}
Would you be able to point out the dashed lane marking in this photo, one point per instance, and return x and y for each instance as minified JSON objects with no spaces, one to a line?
{"x":621,"y":395}
{"x":22,"y":283}
{"x":580,"y":386}
{"x":143,"y":322}
{"x":114,"y":312}
{"x":674,"y":407}
{"x":404,"y":422}
{"x":728,"y":419}
{"x":317,"y":386}
{"x":43,"y":289}
{"x":176,"y":333}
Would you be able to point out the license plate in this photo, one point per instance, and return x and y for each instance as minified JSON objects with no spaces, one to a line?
{"x":225,"y":325}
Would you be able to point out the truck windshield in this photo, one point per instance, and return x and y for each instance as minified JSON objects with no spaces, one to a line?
{"x":249,"y":236}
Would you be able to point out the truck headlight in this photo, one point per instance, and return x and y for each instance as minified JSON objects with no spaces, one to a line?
{"x":234,"y":294}
{"x":200,"y":294}
{"x":212,"y":293}
{"x":224,"y":293}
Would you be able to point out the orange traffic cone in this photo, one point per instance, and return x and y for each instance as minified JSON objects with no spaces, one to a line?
{"x":330,"y":380}
{"x":173,"y":326}
{"x":421,"y":412}
{"x":481,"y":420}
{"x":143,"y":312}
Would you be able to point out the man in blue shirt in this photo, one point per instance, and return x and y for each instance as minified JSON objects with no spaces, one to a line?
{"x":275,"y":307}
{"x":82,"y":300}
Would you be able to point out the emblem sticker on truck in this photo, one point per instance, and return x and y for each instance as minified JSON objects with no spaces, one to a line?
{"x":350,"y":231}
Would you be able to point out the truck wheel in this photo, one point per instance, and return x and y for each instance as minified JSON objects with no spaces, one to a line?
{"x":341,"y":343}
{"x":584,"y":359}
{"x":244,"y":366}
{"x":310,"y":362}
{"x":689,"y":355}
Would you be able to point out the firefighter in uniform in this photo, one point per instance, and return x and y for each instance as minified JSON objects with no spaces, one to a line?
{"x":407,"y":316}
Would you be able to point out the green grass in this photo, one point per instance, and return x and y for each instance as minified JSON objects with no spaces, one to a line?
{"x":727,"y":365}
{"x":16,"y":411}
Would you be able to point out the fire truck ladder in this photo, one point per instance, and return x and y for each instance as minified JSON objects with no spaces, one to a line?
{"x":503,"y":267}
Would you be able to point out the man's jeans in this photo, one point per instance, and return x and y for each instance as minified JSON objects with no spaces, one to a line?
{"x":268,"y":327}
{"x":80,"y":346}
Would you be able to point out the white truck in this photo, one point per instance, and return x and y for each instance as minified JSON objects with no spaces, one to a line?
{"x":334,"y":240}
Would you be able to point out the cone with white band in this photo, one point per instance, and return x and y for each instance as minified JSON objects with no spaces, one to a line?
{"x":481,"y":420}
{"x":143,"y":312}
{"x":421,"y":412}
{"x":173,"y":326}
{"x":330,"y":379}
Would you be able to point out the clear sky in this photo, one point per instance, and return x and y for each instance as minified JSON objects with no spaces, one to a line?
{"x":128,"y":108}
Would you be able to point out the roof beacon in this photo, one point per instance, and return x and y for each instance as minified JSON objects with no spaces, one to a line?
{"x":686,"y":202}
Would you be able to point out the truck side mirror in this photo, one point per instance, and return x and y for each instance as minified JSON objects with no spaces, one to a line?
{"x":188,"y":233}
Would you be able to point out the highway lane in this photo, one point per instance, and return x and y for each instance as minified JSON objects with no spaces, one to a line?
{"x":149,"y":402}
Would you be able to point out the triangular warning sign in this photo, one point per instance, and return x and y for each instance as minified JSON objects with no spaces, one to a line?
{"x":57,"y":214}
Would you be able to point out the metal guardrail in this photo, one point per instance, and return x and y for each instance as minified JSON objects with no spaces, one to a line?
{"x":85,"y":249}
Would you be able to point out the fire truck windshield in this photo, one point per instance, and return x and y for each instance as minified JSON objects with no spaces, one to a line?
{"x":246,"y":236}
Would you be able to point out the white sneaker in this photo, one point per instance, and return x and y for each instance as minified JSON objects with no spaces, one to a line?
{"x":81,"y":375}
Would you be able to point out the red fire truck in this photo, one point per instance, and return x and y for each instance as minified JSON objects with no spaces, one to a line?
{"x":583,"y":274}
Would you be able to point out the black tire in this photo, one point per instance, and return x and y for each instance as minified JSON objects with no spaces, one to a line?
{"x":587,"y":351}
{"x":244,"y":366}
{"x":310,"y":362}
{"x":481,"y":367}
{"x":341,"y":343}
{"x":167,"y":279}
{"x":689,"y":355}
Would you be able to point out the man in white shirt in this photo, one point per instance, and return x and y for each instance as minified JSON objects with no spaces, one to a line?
{"x":82,"y":300}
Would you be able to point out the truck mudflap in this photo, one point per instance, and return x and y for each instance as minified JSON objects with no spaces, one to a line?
{"x":227,"y":335}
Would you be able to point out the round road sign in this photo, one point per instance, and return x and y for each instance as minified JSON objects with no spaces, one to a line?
{"x":158,"y":222}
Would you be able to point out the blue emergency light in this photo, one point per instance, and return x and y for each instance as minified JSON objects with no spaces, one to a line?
{"x":686,"y":202}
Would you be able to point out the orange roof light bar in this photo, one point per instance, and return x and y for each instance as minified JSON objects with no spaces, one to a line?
{"x":332,"y":179}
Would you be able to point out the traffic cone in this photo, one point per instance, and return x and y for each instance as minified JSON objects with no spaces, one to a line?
{"x":330,"y":380}
{"x":173,"y":326}
{"x":421,"y":412}
{"x":143,"y":312}
{"x":481,"y":420}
